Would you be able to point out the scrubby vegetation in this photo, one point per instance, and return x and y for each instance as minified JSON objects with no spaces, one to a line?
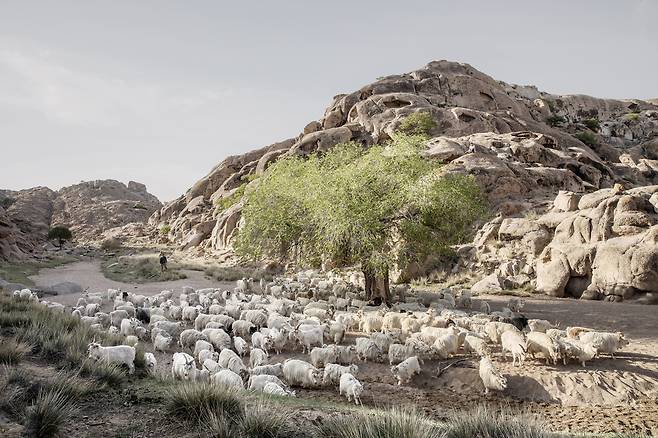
{"x":418,"y":123}
{"x":587,"y":137}
{"x":377,"y":207}
{"x":230,"y":200}
{"x":12,"y":351}
{"x":19,"y":272}
{"x":48,"y":413}
{"x":556,"y":120}
{"x":142,"y":268}
{"x":393,"y":423}
{"x":592,"y":124}
{"x":165,"y":229}
{"x":232,"y":273}
{"x":6,"y":201}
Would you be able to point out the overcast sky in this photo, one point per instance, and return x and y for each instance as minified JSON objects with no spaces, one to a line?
{"x":161,"y":91}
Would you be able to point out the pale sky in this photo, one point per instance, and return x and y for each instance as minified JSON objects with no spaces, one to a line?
{"x":160,"y":91}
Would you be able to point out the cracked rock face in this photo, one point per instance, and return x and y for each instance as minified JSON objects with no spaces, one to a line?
{"x":88,"y":209}
{"x":522,"y":145}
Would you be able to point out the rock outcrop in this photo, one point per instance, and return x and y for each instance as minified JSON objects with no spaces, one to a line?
{"x":88,"y":209}
{"x":523,"y":146}
{"x":599,"y":245}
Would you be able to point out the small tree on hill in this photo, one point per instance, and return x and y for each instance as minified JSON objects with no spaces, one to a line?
{"x":376,"y":207}
{"x":62,"y":234}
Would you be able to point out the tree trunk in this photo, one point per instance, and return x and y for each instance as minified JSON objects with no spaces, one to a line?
{"x":61,"y":243}
{"x":387,"y":288}
{"x":370,"y":282}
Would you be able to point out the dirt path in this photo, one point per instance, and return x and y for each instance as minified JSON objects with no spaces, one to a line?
{"x":88,"y":274}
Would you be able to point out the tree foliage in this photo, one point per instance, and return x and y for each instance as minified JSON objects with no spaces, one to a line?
{"x":378,"y":207}
{"x":61,"y":234}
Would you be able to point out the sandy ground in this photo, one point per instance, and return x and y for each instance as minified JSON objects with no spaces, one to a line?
{"x":88,"y":275}
{"x":609,"y":395}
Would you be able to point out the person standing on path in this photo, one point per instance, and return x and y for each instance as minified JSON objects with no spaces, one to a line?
{"x":163,"y":261}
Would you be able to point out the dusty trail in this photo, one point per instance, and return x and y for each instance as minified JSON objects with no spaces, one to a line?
{"x":89,"y":274}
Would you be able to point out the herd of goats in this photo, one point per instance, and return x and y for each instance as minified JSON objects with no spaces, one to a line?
{"x":216,"y":329}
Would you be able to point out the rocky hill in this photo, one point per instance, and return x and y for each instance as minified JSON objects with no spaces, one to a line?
{"x":89,"y":209}
{"x":523,"y":146}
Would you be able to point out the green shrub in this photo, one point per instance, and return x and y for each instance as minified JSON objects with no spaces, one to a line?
{"x":592,"y":123}
{"x":193,"y":400}
{"x":633,"y":117}
{"x":392,"y":423}
{"x":48,"y":413}
{"x":587,"y":137}
{"x":139,"y":206}
{"x":12,"y":351}
{"x":165,"y":229}
{"x":230,"y":200}
{"x":61,"y":234}
{"x":483,"y":423}
{"x":556,"y":120}
{"x":418,"y":123}
{"x":6,"y":202}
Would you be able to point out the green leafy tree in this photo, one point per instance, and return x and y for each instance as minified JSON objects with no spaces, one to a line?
{"x":61,"y":234}
{"x":377,"y":207}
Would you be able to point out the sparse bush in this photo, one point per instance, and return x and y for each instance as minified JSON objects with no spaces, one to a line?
{"x":392,"y":423}
{"x":165,"y":229}
{"x":633,"y":117}
{"x":103,"y":372}
{"x":483,"y":423}
{"x":233,"y":273}
{"x":6,"y":202}
{"x":48,"y":413}
{"x":418,"y":123}
{"x":140,"y":269}
{"x":111,"y":244}
{"x":55,"y":336}
{"x":216,"y":425}
{"x":193,"y":400}
{"x":139,"y":206}
{"x":592,"y":124}
{"x":263,"y":421}
{"x":16,"y":375}
{"x":556,"y":120}
{"x":70,"y":385}
{"x":587,"y":137}
{"x":230,"y":200}
{"x":12,"y":351}
{"x":61,"y":234}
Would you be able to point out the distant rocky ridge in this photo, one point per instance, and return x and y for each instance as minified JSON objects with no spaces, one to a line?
{"x":522,"y":145}
{"x":89,"y":209}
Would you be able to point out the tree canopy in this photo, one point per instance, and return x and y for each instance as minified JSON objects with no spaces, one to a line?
{"x":60,"y":233}
{"x":376,"y":206}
